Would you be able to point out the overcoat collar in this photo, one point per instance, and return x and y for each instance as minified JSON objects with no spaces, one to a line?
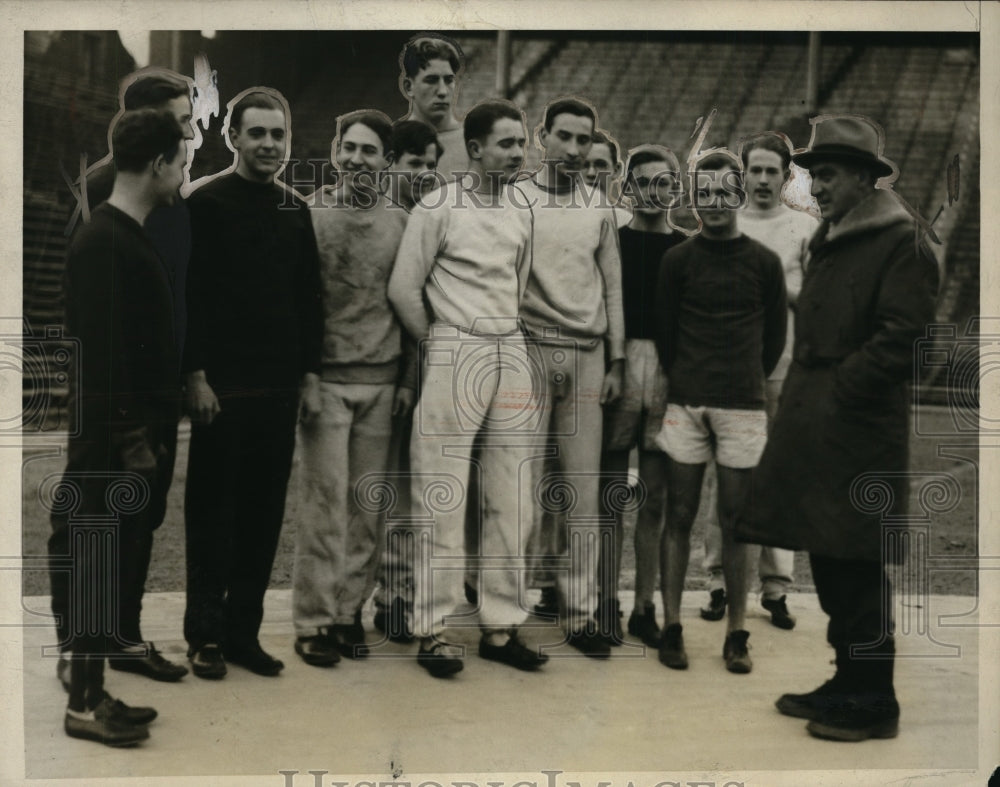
{"x":877,"y":211}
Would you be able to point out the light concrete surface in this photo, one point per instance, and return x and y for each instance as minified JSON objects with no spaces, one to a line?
{"x":626,"y":715}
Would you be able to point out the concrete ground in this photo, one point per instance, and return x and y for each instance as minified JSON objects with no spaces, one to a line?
{"x":627,"y":716}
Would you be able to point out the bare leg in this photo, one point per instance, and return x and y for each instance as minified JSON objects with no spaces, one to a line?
{"x":734,"y":486}
{"x":614,"y":469}
{"x":683,"y":493}
{"x":649,"y":525}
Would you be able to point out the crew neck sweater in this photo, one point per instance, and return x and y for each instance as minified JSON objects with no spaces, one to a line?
{"x":357,"y":250}
{"x":574,"y":289}
{"x":724,"y":322}
{"x":254,"y":310}
{"x":469,"y":255}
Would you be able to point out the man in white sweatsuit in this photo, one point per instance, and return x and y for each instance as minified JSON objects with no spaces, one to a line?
{"x":572,"y":310}
{"x":467,"y":252}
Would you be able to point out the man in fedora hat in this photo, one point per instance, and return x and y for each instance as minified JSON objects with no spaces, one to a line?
{"x":868,"y":292}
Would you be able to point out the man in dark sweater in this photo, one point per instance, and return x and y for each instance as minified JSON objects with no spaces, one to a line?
{"x":722,"y":297}
{"x":255,"y":326}
{"x":635,"y":420}
{"x":118,"y":306}
{"x":167,"y":227}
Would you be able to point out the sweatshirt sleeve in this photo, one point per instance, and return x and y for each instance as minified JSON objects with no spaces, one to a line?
{"x":609,"y":260}
{"x":414,"y":260}
{"x":775,"y":310}
{"x":525,"y":257}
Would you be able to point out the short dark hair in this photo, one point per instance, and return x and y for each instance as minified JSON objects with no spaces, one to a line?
{"x":571,"y":106}
{"x":425,"y":47}
{"x":141,"y":135}
{"x":480,"y":119}
{"x":771,"y":141}
{"x":378,"y":122}
{"x":716,"y":159}
{"x":154,"y":91}
{"x":601,"y":138}
{"x":648,"y":153}
{"x":412,"y":136}
{"x":255,"y":100}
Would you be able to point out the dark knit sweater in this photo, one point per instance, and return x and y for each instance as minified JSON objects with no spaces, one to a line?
{"x":255,"y":316}
{"x":118,"y":306}
{"x":168,"y":228}
{"x":642,"y":256}
{"x":724,"y":321}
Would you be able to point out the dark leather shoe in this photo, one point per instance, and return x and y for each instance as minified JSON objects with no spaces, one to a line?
{"x":127,"y":714}
{"x":437,"y":661}
{"x":152,"y":665}
{"x":254,"y":658}
{"x":349,"y":639}
{"x":207,"y":662}
{"x":643,"y":625}
{"x":104,"y":726}
{"x":590,"y":643}
{"x":716,"y":607}
{"x":780,"y":616}
{"x":858,"y":718}
{"x":736,"y":652}
{"x":318,"y":650}
{"x":513,"y":653}
{"x":671,"y":651}
{"x":812,"y":704}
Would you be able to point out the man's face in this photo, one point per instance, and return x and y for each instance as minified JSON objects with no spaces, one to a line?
{"x":432,"y":91}
{"x":837,"y":188}
{"x":568,"y":142}
{"x":655,"y":187}
{"x":502,"y":152}
{"x":599,"y":165}
{"x":180,"y":108}
{"x":717,"y":199}
{"x":765,"y":177}
{"x":412,"y":172}
{"x":360,"y":150}
{"x":260,"y":142}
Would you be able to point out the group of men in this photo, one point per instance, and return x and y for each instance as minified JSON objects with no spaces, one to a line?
{"x":467,"y":354}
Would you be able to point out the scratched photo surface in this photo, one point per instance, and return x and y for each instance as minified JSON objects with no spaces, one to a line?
{"x":313,"y":185}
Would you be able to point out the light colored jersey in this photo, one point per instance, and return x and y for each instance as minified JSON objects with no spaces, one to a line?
{"x":787,"y":233}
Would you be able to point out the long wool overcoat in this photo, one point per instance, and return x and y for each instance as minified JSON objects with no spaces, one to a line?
{"x":835,"y":460}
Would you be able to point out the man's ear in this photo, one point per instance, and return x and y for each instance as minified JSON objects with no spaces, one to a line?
{"x":408,"y":86}
{"x":233,"y":134}
{"x":543,"y":136}
{"x":389,"y":157}
{"x":158,"y":164}
{"x":474,"y":148}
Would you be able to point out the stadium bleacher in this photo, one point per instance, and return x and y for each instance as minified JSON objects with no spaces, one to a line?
{"x":655,"y":87}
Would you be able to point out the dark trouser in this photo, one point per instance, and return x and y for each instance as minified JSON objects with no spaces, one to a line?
{"x":86,"y":465}
{"x":857,"y":596}
{"x":234,"y":504}
{"x":102,"y":532}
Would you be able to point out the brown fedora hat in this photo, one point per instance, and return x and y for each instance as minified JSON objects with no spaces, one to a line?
{"x":846,"y":138}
